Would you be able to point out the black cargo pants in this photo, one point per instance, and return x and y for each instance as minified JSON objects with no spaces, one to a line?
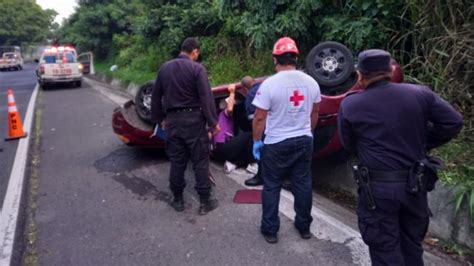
{"x":188,"y":139}
{"x":395,"y":230}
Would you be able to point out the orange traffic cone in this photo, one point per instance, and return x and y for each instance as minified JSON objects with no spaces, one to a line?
{"x":15,"y":127}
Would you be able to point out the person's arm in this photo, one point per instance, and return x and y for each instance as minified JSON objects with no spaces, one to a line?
{"x":157,"y":114}
{"x":314,"y":116}
{"x":445,"y":122}
{"x":231,"y":100}
{"x":345,"y":130}
{"x":207,"y":99}
{"x":258,"y":123}
{"x":249,"y":107}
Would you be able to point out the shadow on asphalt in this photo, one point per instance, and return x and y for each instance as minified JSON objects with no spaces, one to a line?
{"x":126,"y":159}
{"x":121,"y":164}
{"x":61,"y":86}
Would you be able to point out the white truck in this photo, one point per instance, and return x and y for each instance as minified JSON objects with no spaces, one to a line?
{"x":59,"y":65}
{"x":10,"y":58}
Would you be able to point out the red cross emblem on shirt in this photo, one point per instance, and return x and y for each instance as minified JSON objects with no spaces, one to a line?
{"x":296,"y":98}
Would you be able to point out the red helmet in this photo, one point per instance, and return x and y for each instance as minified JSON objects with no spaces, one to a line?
{"x":285,"y":45}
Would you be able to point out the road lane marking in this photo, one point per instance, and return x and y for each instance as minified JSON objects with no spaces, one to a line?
{"x":324,"y":226}
{"x":11,"y":204}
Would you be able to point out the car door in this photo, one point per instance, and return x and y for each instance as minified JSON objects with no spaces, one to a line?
{"x":86,"y":59}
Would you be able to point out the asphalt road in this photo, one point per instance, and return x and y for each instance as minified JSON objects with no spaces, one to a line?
{"x":22,"y":82}
{"x":101,"y":203}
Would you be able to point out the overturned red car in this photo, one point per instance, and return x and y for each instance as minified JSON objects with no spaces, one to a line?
{"x":329,"y":63}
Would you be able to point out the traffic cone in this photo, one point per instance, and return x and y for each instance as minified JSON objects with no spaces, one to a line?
{"x":15,"y":127}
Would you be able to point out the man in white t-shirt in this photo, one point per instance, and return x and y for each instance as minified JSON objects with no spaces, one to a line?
{"x":287,"y":109}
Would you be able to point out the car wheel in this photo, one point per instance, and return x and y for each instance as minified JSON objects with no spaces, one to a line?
{"x":78,"y":84}
{"x":44,"y":86}
{"x":330,"y":63}
{"x":143,"y":101}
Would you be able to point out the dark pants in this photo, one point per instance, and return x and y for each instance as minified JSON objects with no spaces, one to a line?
{"x":291,"y":157}
{"x":237,"y":150}
{"x":394,"y":231}
{"x":187,"y":139}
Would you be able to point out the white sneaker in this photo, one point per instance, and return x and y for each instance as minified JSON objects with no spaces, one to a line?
{"x":229,"y":167}
{"x":252,"y":168}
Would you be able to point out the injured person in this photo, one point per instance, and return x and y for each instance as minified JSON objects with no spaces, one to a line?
{"x":234,"y":151}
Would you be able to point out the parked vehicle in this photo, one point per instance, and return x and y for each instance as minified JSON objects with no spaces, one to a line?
{"x":10,"y":58}
{"x":330,"y":63}
{"x":59,"y":64}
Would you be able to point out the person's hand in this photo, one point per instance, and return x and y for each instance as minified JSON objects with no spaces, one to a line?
{"x":216,"y":129}
{"x":231,"y":88}
{"x":159,"y":132}
{"x":257,"y":146}
{"x":163,"y":125}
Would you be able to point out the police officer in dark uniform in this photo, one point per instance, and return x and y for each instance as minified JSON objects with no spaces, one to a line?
{"x":391,"y":127}
{"x":183,"y":104}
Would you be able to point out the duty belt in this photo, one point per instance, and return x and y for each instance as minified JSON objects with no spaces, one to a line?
{"x":388,"y":176}
{"x":183,"y":109}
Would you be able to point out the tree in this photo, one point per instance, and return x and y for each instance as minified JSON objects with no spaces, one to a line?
{"x":24,"y":21}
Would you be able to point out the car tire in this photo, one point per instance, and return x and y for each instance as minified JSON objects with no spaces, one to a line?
{"x":143,"y":101}
{"x":330,"y":63}
{"x":78,"y":84}
{"x":44,"y":86}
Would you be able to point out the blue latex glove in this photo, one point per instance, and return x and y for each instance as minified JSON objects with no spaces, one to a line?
{"x":257,"y":145}
{"x":159,"y":132}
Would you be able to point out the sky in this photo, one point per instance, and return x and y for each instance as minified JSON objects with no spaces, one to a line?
{"x":63,"y":7}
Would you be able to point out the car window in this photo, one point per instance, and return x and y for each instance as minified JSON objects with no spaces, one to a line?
{"x":59,"y":57}
{"x":49,"y":59}
{"x":69,"y":57}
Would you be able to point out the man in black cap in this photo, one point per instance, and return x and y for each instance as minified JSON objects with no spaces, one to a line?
{"x":182,"y":103}
{"x":391,"y":127}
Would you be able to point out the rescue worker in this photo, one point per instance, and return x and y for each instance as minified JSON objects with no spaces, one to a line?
{"x":287,"y":107}
{"x":391,"y":126}
{"x":249,"y":84}
{"x":182,"y":103}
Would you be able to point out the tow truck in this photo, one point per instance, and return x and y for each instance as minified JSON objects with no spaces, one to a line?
{"x":58,"y":64}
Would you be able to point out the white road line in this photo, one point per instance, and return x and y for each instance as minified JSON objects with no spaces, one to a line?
{"x":324,"y":226}
{"x":11,"y":203}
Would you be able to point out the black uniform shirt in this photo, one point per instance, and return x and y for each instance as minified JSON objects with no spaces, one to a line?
{"x":392,"y":125}
{"x":182,"y":83}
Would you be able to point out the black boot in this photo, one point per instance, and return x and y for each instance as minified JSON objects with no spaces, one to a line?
{"x":207,"y":205}
{"x":256,"y":180}
{"x":270,"y":238}
{"x":178,"y":203}
{"x":305,"y":234}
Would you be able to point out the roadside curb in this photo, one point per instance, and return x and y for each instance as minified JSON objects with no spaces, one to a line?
{"x":114,"y":83}
{"x":11,"y":204}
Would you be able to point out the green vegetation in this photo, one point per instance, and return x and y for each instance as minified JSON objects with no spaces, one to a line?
{"x":432,"y":40}
{"x":24,"y":22}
